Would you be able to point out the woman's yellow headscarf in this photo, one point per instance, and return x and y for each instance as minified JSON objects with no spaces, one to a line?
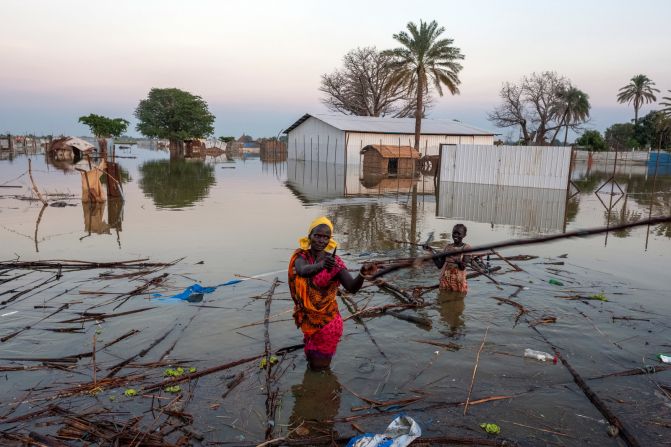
{"x":323,"y":220}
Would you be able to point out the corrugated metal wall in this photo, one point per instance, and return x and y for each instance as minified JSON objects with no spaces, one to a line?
{"x":534,"y":210}
{"x":524,"y":166}
{"x":428,"y":144}
{"x":316,"y":141}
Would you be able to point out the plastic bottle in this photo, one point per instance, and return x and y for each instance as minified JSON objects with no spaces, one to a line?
{"x":539,"y":355}
{"x":554,"y":282}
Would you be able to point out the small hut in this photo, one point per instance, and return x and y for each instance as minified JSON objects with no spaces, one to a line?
{"x":69,"y":149}
{"x":386,"y":160}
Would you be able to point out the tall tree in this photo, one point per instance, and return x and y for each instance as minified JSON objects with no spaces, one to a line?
{"x":364,"y":86}
{"x":103,"y":128}
{"x":572,"y":107}
{"x":424,"y":57}
{"x":639,"y":91}
{"x":667,"y":104}
{"x":536,"y":105}
{"x":175,"y":115}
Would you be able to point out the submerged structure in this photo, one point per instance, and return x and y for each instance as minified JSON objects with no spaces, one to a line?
{"x":337,"y":138}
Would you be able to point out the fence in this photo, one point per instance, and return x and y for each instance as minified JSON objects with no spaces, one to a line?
{"x":524,"y":166}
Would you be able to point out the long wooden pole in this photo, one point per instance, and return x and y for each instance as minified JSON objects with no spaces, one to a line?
{"x":518,"y":242}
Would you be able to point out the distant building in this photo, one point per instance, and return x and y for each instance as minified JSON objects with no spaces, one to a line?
{"x":340,"y":138}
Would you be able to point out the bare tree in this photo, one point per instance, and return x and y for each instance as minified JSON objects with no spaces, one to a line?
{"x":364,"y":86}
{"x":536,"y":105}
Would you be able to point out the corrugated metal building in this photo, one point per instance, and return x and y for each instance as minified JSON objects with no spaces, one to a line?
{"x":339,"y":138}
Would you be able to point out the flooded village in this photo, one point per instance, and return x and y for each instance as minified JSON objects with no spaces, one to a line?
{"x":496,"y":283}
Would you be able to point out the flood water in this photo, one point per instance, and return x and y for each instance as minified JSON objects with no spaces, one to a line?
{"x":224,"y":217}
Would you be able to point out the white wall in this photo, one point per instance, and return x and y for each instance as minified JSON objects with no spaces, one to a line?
{"x":428,"y":144}
{"x":316,"y":141}
{"x":525,"y":166}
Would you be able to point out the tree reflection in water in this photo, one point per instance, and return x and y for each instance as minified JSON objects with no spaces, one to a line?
{"x":316,"y":403}
{"x":176,"y":183}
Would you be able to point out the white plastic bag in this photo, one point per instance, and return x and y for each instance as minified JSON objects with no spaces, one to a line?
{"x":401,"y":432}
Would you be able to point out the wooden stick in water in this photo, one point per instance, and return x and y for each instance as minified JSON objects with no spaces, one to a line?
{"x":475,"y":369}
{"x":516,"y":242}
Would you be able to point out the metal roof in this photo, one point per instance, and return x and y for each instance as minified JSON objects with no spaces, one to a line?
{"x":372,"y":124}
{"x":387,"y":151}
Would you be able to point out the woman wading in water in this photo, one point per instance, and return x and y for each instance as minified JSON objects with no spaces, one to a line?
{"x":314,"y":277}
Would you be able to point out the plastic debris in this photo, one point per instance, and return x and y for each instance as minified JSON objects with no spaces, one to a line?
{"x":130,"y":392}
{"x":554,"y":282}
{"x":9,"y":313}
{"x":400,"y":433}
{"x":664,"y":358}
{"x":491,"y":429}
{"x":540,"y":355}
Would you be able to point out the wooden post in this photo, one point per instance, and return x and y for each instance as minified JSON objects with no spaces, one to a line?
{"x":11,"y":143}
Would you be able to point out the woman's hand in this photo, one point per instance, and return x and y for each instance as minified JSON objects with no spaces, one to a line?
{"x":328,"y":262}
{"x":368,"y":269}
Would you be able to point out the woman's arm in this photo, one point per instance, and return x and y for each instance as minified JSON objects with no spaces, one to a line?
{"x":305,"y":269}
{"x":353,"y":285}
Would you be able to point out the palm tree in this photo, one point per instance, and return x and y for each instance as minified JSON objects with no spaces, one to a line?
{"x":639,"y":91}
{"x":423,"y":57}
{"x":573,"y":108}
{"x":667,"y":105}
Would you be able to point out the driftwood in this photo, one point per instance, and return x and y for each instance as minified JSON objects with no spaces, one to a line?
{"x":354,"y":310}
{"x":612,"y":419}
{"x":214,"y":369}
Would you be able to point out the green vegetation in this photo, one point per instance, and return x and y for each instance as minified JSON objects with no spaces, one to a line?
{"x":667,"y":104}
{"x":639,"y":91}
{"x":620,"y":136}
{"x":573,"y":107}
{"x":226,"y":139}
{"x":592,"y":140}
{"x":175,"y":115}
{"x":423,"y":57}
{"x":102,"y":128}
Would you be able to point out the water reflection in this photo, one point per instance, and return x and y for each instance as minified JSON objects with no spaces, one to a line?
{"x":94,"y":221}
{"x":451,"y":307}
{"x":533,"y":210}
{"x":316,"y":403}
{"x":176,"y":183}
{"x":319,"y":181}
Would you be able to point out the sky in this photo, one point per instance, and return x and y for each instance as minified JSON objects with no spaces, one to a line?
{"x":258,"y":63}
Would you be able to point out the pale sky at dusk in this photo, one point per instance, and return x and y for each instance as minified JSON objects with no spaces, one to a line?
{"x":258,"y":63}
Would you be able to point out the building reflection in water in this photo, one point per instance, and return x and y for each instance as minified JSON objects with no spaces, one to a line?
{"x":316,"y":403}
{"x":533,"y":210}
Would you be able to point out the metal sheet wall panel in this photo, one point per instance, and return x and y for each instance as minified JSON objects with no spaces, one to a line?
{"x":316,"y":141}
{"x":533,"y":210}
{"x":523,"y":166}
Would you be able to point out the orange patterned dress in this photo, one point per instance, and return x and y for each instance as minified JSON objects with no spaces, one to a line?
{"x":451,"y":277}
{"x":316,"y":310}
